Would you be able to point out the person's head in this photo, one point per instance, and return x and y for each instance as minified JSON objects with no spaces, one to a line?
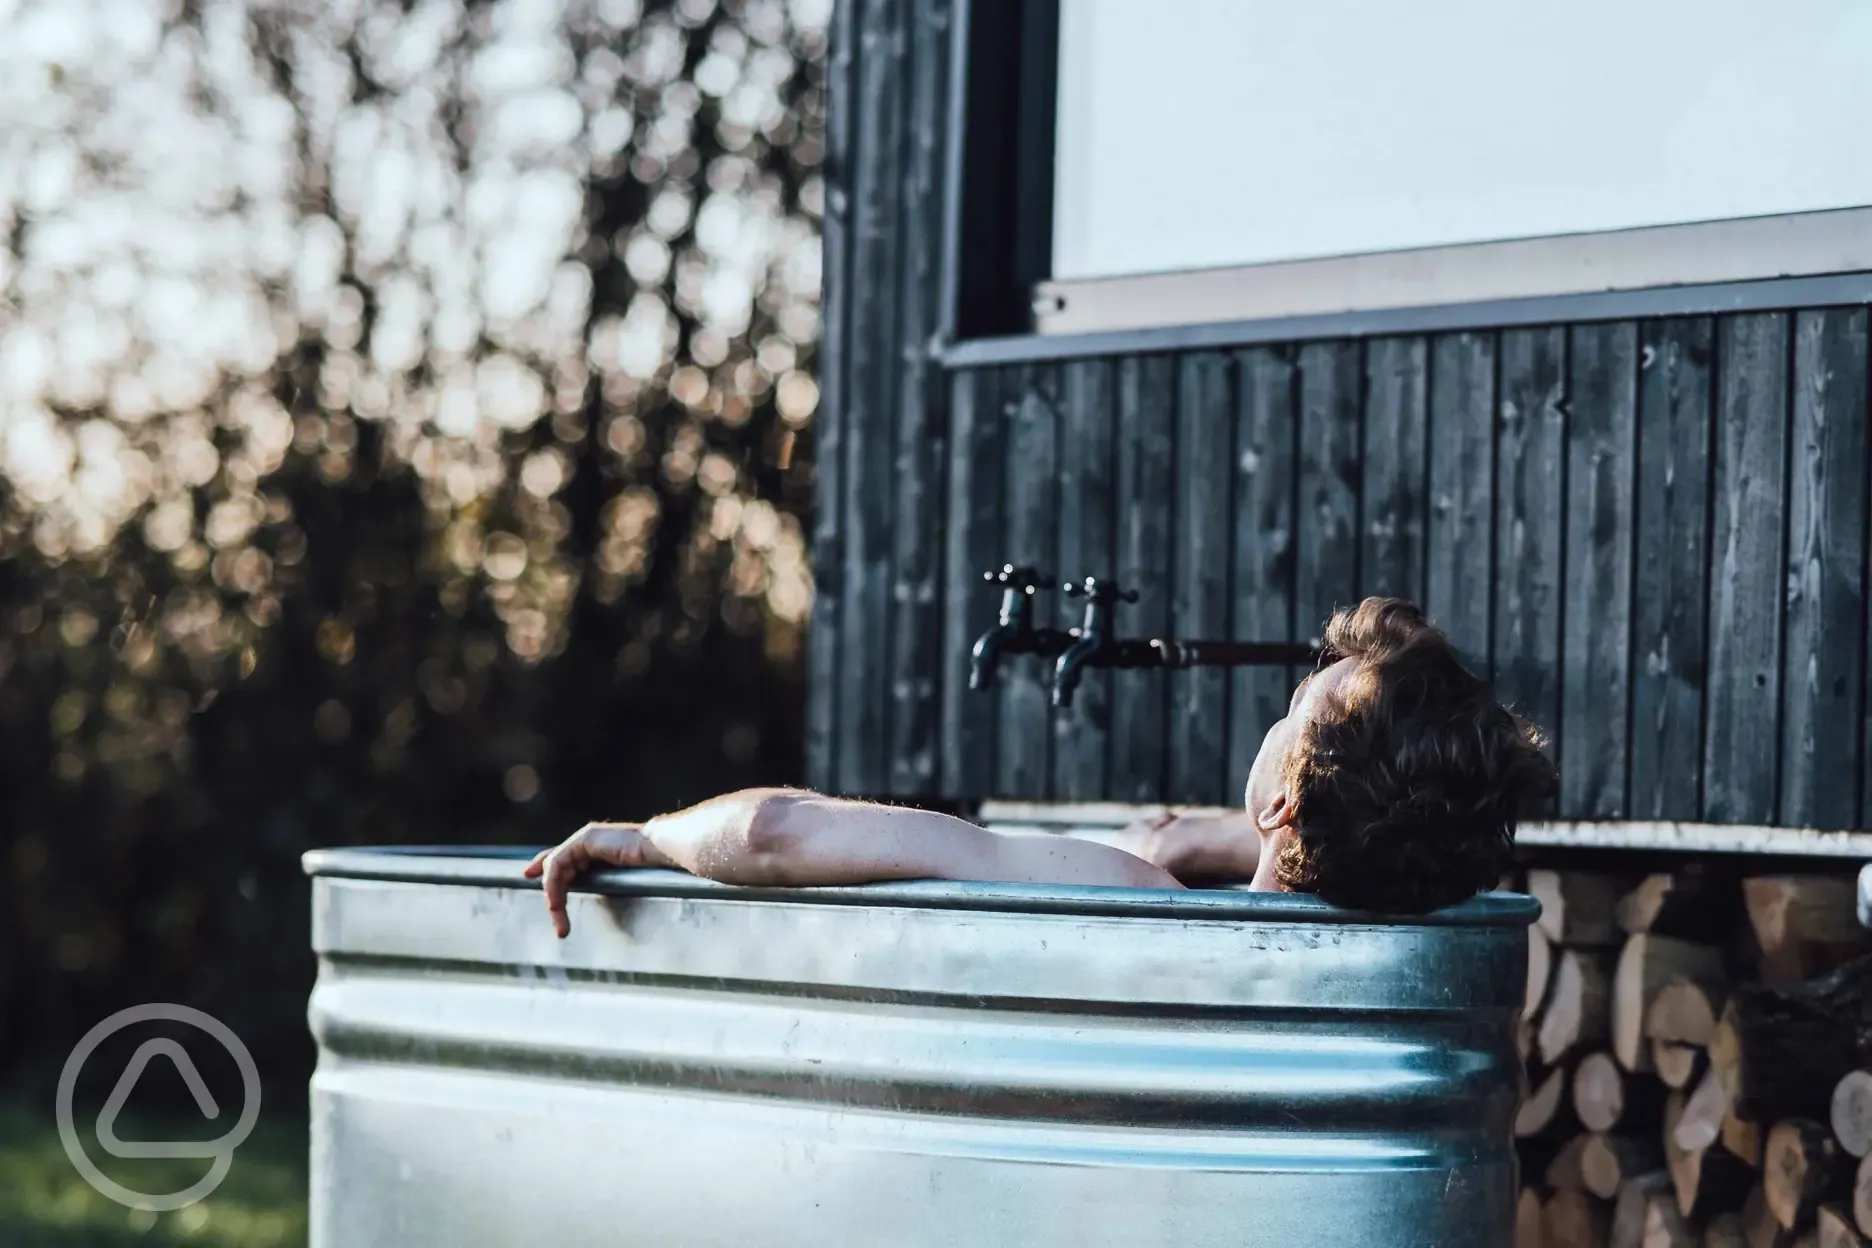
{"x":1396,"y":780}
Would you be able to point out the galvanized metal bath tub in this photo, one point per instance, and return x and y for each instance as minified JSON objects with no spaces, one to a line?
{"x":938,"y":1065}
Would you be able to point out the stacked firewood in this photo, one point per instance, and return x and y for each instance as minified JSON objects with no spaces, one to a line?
{"x":1699,"y":1063}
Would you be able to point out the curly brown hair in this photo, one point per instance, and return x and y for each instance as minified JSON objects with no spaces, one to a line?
{"x":1410,"y":777}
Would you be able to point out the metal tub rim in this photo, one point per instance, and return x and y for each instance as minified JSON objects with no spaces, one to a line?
{"x":496,"y":867}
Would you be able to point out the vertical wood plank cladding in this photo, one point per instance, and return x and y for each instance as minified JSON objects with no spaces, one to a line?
{"x":1146,"y":476}
{"x":1822,"y":677}
{"x":1595,"y":681}
{"x":1023,"y":762}
{"x":1392,"y":561}
{"x":1530,"y":477}
{"x":1746,"y":589}
{"x":1265,"y":438}
{"x":1669,"y":644}
{"x":972,"y":545}
{"x":1326,"y":551}
{"x":921,"y":448}
{"x":1199,"y":605}
{"x":1459,"y":576}
{"x":1655,"y":535}
{"x":1088,"y":514}
{"x":877,"y":201}
{"x":824,"y":637}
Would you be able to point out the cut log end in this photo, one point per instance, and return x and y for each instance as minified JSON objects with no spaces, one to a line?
{"x":1631,"y":1209}
{"x":1563,"y":1172}
{"x":1725,"y":1052}
{"x":1539,"y":972}
{"x":1540,"y":1112}
{"x":1664,"y":1227}
{"x":1802,"y":1167}
{"x":1578,"y":1005}
{"x":1574,"y":1220}
{"x":1598,"y":1092}
{"x":1759,"y":1227}
{"x":1724,"y":1231}
{"x":1835,"y":1228}
{"x":1696,"y":903}
{"x":1647,"y":965}
{"x":1706,"y":1179}
{"x":1701,"y":1122}
{"x":1862,"y":1197}
{"x":1683,"y":1011}
{"x":1608,"y":1161}
{"x":1851,"y":1112}
{"x":1804,"y":924}
{"x":1578,"y":907}
{"x":1742,"y":1138}
{"x":1527,"y":1222}
{"x":1677,"y":1065}
{"x":1638,"y":910}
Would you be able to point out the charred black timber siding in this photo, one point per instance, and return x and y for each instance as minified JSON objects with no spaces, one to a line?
{"x":1651,"y":533}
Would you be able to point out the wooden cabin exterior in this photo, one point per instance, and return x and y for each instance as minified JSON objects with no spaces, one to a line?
{"x":1641,"y":508}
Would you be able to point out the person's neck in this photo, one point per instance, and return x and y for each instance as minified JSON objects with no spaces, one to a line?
{"x":1265,"y":879}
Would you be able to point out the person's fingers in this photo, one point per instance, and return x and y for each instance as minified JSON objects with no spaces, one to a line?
{"x":562,"y":867}
{"x":555,"y":889}
{"x":553,"y":908}
{"x":612,"y":845}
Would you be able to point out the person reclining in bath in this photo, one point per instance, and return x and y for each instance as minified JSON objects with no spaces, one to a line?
{"x":1394,"y":783}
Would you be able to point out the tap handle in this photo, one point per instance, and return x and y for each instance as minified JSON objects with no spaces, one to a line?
{"x":1017,"y":577}
{"x":1099,"y":592}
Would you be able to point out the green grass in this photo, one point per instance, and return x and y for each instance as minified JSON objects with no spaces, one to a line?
{"x":45,"y":1204}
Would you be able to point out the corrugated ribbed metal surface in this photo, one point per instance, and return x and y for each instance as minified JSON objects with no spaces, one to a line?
{"x":922,"y":1064}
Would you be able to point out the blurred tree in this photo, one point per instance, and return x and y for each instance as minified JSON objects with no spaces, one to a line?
{"x":405,"y":435}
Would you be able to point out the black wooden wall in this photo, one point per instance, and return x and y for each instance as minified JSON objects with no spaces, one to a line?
{"x":1652,"y":533}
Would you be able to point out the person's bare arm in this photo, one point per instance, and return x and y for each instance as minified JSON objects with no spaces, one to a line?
{"x":1212,"y":848}
{"x":794,"y":838}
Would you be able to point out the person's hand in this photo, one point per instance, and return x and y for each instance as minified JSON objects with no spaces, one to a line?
{"x":595,"y":844}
